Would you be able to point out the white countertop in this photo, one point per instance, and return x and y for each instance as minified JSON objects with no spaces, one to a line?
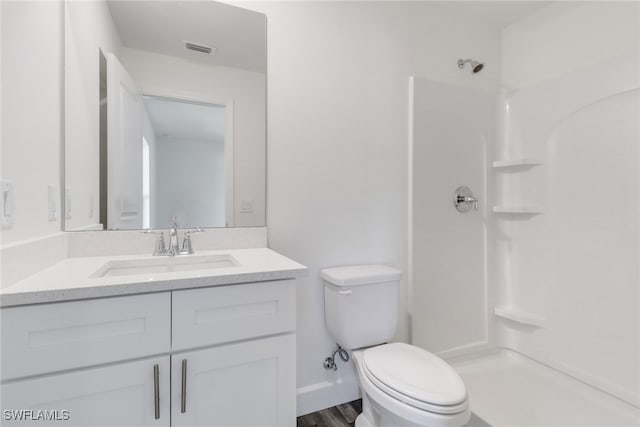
{"x":70,"y":278}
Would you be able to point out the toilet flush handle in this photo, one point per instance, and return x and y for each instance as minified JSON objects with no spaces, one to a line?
{"x":345,"y":292}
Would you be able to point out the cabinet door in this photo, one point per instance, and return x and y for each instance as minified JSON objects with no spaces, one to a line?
{"x":248,"y":384}
{"x":208,"y":316}
{"x":114,"y":396}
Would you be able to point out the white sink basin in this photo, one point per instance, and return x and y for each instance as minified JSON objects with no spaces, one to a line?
{"x":164,"y":264}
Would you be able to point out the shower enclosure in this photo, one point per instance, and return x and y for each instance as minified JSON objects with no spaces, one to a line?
{"x":535,"y":297}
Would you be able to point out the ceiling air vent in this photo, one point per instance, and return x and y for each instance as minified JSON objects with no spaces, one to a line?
{"x":199,"y":47}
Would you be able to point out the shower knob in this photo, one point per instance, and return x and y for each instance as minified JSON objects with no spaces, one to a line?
{"x":463,"y":199}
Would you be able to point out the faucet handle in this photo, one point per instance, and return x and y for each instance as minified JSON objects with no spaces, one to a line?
{"x":186,"y":243}
{"x":187,"y":249}
{"x":160,"y":248}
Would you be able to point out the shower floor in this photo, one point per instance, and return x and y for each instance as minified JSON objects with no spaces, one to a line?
{"x":508,"y":389}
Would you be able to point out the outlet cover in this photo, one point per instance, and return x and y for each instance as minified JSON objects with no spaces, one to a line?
{"x":7,"y":203}
{"x":246,"y":206}
{"x":52,"y":196}
{"x":67,"y":202}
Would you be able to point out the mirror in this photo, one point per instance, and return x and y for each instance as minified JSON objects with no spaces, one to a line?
{"x":165,"y":109}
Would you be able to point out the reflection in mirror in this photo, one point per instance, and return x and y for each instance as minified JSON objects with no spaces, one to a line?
{"x":184,"y":154}
{"x":164,"y":115}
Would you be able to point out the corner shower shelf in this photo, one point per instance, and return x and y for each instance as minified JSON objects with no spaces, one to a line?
{"x":519,"y":316}
{"x":518,"y":209}
{"x":513,"y":163}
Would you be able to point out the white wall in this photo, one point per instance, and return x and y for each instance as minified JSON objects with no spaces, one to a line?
{"x":190,"y":173}
{"x":153,"y":71}
{"x":31,"y":94}
{"x":88,"y":29}
{"x":565,"y":37}
{"x":337,"y":144}
{"x":576,"y":68}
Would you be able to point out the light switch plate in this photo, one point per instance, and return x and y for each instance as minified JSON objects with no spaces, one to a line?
{"x":52,"y":195}
{"x":246,"y":206}
{"x":67,"y":203}
{"x":7,"y":203}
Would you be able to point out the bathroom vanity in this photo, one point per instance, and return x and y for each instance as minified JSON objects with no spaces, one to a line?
{"x":164,"y":126}
{"x":154,"y":341}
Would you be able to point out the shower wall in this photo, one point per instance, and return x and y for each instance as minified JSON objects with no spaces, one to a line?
{"x":567,"y":273}
{"x":451,"y":128}
{"x":559,"y":277}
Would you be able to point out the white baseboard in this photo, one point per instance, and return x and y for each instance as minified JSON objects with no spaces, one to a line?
{"x":326,"y":394}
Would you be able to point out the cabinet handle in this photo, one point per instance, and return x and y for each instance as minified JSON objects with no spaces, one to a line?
{"x":156,"y":390}
{"x":183,"y":402}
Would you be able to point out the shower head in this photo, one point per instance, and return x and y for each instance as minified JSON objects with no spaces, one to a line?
{"x":475,"y":65}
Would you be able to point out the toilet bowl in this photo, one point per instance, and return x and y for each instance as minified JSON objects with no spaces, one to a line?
{"x":402,"y":385}
{"x":405,"y":386}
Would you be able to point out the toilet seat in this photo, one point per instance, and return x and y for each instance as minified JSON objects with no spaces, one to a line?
{"x":416,"y":377}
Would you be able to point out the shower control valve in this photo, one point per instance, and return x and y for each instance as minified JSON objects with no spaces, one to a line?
{"x":463,"y":199}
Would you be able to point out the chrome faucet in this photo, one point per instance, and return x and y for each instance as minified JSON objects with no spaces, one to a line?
{"x":174,"y":246}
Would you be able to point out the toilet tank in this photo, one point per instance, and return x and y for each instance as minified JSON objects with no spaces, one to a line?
{"x":361,"y":304}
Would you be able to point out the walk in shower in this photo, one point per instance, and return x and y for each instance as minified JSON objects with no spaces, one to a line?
{"x":535,"y":297}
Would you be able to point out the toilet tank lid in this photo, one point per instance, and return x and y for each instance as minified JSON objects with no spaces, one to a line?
{"x":360,"y":274}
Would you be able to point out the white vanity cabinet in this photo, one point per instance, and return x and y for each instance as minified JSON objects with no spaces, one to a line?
{"x":247,"y":384}
{"x":125,"y":394}
{"x":211,"y":356}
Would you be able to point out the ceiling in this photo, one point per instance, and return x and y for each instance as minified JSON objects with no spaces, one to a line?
{"x":238,"y":35}
{"x":496,"y":13}
{"x":181,"y":120}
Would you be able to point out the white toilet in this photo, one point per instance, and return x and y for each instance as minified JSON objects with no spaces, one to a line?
{"x":402,"y":385}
